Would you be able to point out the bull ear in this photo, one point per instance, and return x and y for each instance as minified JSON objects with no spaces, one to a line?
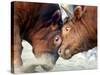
{"x":69,"y":14}
{"x":56,"y":15}
{"x":78,"y":12}
{"x":56,"y":20}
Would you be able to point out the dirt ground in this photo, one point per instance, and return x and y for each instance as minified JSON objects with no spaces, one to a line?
{"x":81,"y":61}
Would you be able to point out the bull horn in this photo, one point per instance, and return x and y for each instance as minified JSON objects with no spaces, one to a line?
{"x":70,"y":15}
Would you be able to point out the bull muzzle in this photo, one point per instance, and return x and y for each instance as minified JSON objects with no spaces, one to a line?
{"x":64,"y":53}
{"x":47,"y":61}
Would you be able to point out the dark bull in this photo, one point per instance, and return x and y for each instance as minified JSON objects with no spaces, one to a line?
{"x":80,"y":32}
{"x":39,"y":24}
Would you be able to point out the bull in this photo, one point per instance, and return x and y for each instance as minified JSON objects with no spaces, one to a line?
{"x":39,"y":24}
{"x":79,"y":33}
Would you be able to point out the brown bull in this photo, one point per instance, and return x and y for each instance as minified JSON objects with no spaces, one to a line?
{"x":39,"y":24}
{"x":80,"y":32}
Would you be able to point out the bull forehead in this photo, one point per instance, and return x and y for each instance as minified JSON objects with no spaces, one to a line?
{"x":46,"y":33}
{"x":43,"y":42}
{"x":45,"y":36}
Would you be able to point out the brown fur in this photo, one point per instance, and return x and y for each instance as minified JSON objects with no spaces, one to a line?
{"x":80,"y":33}
{"x":36,"y":23}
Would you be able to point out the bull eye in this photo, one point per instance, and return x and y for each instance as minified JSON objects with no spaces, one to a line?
{"x":57,"y":40}
{"x":67,"y":29}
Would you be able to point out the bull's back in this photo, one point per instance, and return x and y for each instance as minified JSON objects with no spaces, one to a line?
{"x":26,"y":9}
{"x":30,"y":12}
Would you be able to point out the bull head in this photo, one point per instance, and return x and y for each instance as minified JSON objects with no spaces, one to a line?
{"x":47,"y":41}
{"x":78,"y":34}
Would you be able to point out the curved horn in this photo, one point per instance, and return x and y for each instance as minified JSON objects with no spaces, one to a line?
{"x":70,"y":15}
